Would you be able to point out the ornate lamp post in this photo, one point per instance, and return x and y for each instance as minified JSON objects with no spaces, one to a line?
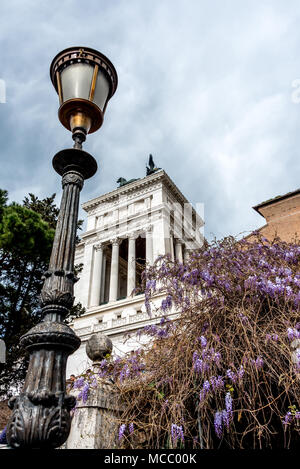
{"x":85,"y":81}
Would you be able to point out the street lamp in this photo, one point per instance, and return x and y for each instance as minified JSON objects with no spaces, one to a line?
{"x":85,"y":81}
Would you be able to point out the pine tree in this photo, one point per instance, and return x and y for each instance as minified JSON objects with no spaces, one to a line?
{"x":26,"y":236}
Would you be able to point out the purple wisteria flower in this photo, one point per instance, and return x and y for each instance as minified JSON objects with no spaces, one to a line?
{"x":151,"y":284}
{"x":208,"y":357}
{"x":204,"y":390}
{"x":103,"y":363}
{"x":223,"y":417}
{"x":259,"y":363}
{"x":177,"y":433}
{"x":147,"y":304}
{"x":217,"y":358}
{"x":94,"y":383}
{"x":241,"y":372}
{"x":199,"y":365}
{"x":122,"y":431}
{"x":231,"y":375}
{"x":125,"y":372}
{"x":273,"y":337}
{"x":203,"y":341}
{"x":293,"y":333}
{"x":166,"y":303}
{"x":206,"y":386}
{"x":217,"y":382}
{"x":159,"y":331}
{"x":288,"y":418}
{"x":218,"y":424}
{"x":78,"y":383}
{"x":226,"y":418}
{"x":228,"y":402}
{"x":131,"y":428}
{"x":164,"y":320}
{"x":162,"y":333}
{"x":207,"y":277}
{"x":102,"y":373}
{"x":84,"y":393}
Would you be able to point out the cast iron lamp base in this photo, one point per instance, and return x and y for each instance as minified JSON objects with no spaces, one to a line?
{"x":41,"y":414}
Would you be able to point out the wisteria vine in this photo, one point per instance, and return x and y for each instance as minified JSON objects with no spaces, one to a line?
{"x":225,"y":373}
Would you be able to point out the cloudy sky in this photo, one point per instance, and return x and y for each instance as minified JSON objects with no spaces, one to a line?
{"x":206,"y":86}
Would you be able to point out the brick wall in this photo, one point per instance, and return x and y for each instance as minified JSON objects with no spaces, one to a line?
{"x":282,"y":218}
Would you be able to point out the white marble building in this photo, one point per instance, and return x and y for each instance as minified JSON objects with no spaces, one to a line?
{"x":126,"y":229}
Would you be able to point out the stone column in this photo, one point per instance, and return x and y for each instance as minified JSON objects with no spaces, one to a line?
{"x":84,"y":286}
{"x":97,"y":275}
{"x":160,"y":236}
{"x":149,"y":245}
{"x":94,"y":424}
{"x":172,"y":244}
{"x":186,"y":254}
{"x":178,"y":250}
{"x":131,"y":275}
{"x":114,"y":271}
{"x":102,"y":294}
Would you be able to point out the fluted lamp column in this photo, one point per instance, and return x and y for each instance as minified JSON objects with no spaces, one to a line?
{"x":41,"y":413}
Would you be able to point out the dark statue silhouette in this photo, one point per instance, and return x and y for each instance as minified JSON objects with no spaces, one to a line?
{"x":122,"y":181}
{"x":151,"y":168}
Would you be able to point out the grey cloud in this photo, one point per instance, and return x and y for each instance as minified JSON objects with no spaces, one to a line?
{"x":205,"y":86}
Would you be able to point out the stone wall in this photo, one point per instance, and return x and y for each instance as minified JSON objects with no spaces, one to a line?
{"x":95,"y":419}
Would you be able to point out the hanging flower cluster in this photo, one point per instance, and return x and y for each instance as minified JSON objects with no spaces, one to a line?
{"x":176,"y":433}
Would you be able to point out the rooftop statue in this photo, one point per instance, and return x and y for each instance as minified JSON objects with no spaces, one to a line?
{"x":122,"y":181}
{"x":151,"y":168}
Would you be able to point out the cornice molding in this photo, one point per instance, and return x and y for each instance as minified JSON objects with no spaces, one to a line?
{"x":133,"y":190}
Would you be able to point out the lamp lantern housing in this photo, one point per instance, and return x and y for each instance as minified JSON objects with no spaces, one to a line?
{"x":85,"y":80}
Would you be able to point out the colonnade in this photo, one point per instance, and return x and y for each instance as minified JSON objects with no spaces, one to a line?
{"x":100,"y":263}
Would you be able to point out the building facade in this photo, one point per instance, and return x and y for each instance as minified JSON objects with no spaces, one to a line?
{"x":282,"y":215}
{"x":127,"y":229}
